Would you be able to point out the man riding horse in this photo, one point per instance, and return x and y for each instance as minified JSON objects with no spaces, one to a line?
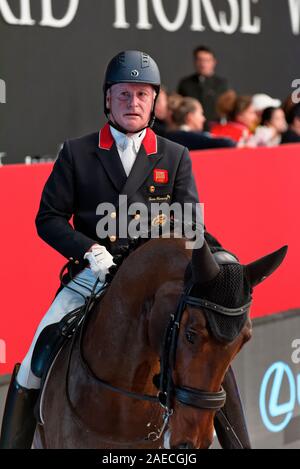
{"x":126,"y":158}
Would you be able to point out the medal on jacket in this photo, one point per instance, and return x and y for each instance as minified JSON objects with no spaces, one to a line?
{"x":161,"y":176}
{"x":160,"y":220}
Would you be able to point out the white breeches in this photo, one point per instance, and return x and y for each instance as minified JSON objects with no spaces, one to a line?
{"x":66,"y":301}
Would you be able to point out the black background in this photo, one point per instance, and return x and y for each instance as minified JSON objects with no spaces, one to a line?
{"x":54,"y":76}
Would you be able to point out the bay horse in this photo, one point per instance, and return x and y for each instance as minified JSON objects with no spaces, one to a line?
{"x":154,"y":328}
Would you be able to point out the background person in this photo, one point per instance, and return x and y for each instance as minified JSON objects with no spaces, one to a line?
{"x":189,"y":120}
{"x":263,"y":101}
{"x":224,"y":106}
{"x":273,"y":125}
{"x":204,"y":85}
{"x":292,"y":135}
{"x":161,"y":112}
{"x":241,"y":121}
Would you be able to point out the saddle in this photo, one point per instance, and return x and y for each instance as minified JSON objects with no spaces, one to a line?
{"x":51,"y":341}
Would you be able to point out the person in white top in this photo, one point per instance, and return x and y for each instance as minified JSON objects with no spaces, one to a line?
{"x":269,"y":132}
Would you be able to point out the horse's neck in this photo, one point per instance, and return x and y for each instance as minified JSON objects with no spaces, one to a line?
{"x":116,"y":343}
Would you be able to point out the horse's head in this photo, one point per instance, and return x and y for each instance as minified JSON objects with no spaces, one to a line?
{"x":213,"y":325}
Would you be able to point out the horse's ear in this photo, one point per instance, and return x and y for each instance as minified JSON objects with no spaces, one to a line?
{"x":204,"y":266}
{"x":261,"y":269}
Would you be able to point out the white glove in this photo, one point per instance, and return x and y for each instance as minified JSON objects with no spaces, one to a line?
{"x":100,"y":261}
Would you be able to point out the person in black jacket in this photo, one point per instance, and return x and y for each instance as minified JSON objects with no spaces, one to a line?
{"x":204,"y":85}
{"x":292,"y":135}
{"x":190,"y":119}
{"x":125,"y":158}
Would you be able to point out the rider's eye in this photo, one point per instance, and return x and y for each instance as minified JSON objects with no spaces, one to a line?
{"x":190,"y":336}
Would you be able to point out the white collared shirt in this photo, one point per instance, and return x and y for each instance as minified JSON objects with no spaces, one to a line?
{"x":185,"y":127}
{"x":128,"y":147}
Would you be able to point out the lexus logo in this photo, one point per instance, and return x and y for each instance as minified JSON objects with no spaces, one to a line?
{"x":277,"y":411}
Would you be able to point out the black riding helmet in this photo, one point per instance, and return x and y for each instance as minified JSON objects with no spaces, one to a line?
{"x":131,"y":66}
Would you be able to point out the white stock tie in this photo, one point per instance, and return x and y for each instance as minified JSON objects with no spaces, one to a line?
{"x":128,"y":156}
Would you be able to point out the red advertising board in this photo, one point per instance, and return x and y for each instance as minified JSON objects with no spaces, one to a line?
{"x":250,"y":201}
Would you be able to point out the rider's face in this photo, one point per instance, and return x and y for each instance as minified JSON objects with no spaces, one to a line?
{"x":130,"y":105}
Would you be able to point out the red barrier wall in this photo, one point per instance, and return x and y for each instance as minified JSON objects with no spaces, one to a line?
{"x":251,"y":202}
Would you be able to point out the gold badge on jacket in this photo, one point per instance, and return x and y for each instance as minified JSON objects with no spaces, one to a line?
{"x":160,"y":220}
{"x":160,"y":198}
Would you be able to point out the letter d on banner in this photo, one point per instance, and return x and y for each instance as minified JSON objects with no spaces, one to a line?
{"x":49,"y":20}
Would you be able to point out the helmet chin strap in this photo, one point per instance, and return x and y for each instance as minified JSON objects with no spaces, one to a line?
{"x":121,"y":129}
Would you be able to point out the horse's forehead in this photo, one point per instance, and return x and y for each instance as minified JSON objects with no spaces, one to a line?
{"x":194,"y":317}
{"x":229,"y":289}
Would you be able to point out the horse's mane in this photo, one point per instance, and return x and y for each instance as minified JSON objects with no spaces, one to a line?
{"x":134,"y":243}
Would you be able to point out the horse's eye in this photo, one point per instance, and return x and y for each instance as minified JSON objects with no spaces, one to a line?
{"x":190,"y":336}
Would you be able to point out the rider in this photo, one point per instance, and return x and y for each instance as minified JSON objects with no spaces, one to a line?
{"x":125,"y":157}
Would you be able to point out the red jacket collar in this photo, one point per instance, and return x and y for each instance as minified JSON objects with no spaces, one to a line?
{"x":106,"y":140}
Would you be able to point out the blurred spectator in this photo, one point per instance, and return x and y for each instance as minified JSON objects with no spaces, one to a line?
{"x":164,"y":109}
{"x":189,"y":115}
{"x":263,"y":101}
{"x":292,"y":135}
{"x":242,"y":119}
{"x":161,"y":112}
{"x":288,"y":104}
{"x":189,"y":119}
{"x":204,"y":85}
{"x":174,"y":100}
{"x":224,"y":105}
{"x":273,"y":125}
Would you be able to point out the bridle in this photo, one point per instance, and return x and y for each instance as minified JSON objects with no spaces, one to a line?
{"x":168,"y":392}
{"x":167,"y":389}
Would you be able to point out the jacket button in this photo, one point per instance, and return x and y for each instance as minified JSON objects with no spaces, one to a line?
{"x":76,"y":262}
{"x":113,"y":239}
{"x":137,"y":216}
{"x":113,"y":215}
{"x":71,"y":258}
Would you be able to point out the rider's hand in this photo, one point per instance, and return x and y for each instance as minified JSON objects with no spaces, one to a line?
{"x":100,"y":261}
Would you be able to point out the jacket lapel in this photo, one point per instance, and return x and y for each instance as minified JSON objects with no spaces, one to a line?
{"x":141,"y":169}
{"x":112,"y":164}
{"x":146,"y":160}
